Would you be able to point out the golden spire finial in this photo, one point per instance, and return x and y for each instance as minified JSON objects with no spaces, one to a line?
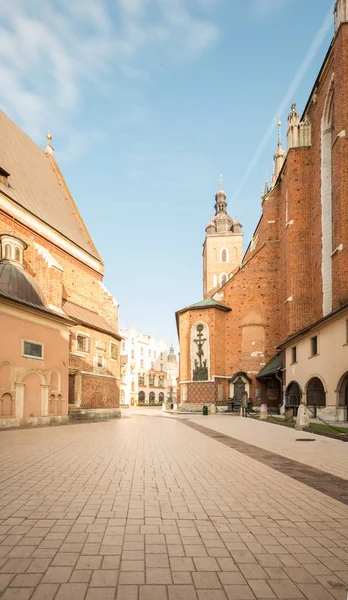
{"x":279,"y":130}
{"x":49,"y":136}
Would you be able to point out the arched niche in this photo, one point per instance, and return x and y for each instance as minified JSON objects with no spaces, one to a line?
{"x":55,"y":380}
{"x":6,"y":407}
{"x":32,"y":395}
{"x":5,"y":376}
{"x":200,"y":352}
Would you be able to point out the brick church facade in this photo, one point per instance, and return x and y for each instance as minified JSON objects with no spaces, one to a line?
{"x":59,"y":341}
{"x":277,"y":326}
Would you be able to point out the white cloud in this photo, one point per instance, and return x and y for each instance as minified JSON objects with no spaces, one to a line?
{"x":51,"y":52}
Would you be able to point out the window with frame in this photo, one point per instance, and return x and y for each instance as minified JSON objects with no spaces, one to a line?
{"x":100,"y":361}
{"x":133,"y":355}
{"x":293,"y":355}
{"x":152,"y":365}
{"x":32,"y":349}
{"x":133,"y":385}
{"x":123,"y":346}
{"x":113,"y":351}
{"x":142,"y":363}
{"x":161,"y":357}
{"x":142,"y":351}
{"x":151,"y":380}
{"x":161,"y":367}
{"x":161,"y":382}
{"x":141,"y":380}
{"x":82,"y":343}
{"x":314,"y":345}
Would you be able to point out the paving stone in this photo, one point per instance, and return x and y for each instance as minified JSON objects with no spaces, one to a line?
{"x":104,"y":578}
{"x":182,"y":592}
{"x":5,"y":580}
{"x":65,"y":559}
{"x":77,"y":591}
{"x":156,"y":560}
{"x":206,"y":564}
{"x":26,"y":580}
{"x":89,"y":562}
{"x":124,"y":592}
{"x":105,"y":594}
{"x":240,"y":592}
{"x":182,"y":564}
{"x":45,"y":591}
{"x":57,"y":575}
{"x":207,"y":581}
{"x":81,"y":576}
{"x":158,"y":576}
{"x":153,"y":592}
{"x":17,"y":594}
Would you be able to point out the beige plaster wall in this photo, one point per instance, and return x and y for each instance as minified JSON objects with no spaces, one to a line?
{"x":330,"y":364}
{"x":38,"y":387}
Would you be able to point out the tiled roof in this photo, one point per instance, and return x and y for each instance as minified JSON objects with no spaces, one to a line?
{"x":89,"y":318}
{"x":37,"y":185}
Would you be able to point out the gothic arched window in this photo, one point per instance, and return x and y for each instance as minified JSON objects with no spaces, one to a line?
{"x":141,"y":398}
{"x":152,"y":397}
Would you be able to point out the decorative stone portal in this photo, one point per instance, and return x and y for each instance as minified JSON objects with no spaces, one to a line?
{"x":239,"y":384}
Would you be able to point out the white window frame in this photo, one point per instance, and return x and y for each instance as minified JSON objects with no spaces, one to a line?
{"x":29,"y":355}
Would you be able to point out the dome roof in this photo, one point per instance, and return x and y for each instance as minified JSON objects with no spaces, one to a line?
{"x":17,"y":284}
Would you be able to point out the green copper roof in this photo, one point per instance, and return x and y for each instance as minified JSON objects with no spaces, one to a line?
{"x":209,"y":303}
{"x":272,"y":367}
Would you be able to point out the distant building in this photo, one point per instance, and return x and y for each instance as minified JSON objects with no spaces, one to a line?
{"x":59,"y":345}
{"x":273,"y":324}
{"x":144,"y":369}
{"x":172,"y":374}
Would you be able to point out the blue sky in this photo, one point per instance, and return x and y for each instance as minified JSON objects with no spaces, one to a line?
{"x":148,"y":102}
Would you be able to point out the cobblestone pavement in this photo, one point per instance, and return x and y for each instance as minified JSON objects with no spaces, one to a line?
{"x":145,"y":508}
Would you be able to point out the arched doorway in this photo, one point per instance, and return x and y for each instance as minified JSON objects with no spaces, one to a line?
{"x":293,"y":396}
{"x":343,"y":394}
{"x":315,"y":393}
{"x":141,"y":398}
{"x":161,"y":398}
{"x":152,"y":397}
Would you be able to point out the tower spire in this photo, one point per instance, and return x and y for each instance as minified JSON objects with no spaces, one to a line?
{"x":280,"y":155}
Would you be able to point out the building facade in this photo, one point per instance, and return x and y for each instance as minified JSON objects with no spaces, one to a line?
{"x":59,"y":341}
{"x":277,"y":329}
{"x":146,"y":369}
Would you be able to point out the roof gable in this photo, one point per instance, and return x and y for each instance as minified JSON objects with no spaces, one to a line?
{"x":36,"y":184}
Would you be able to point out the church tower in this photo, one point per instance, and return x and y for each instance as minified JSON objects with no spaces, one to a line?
{"x":222,"y":248}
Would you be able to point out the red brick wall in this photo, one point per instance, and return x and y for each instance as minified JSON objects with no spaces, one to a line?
{"x":100,"y":392}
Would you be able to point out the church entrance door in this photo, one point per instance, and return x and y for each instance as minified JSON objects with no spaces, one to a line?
{"x":72,"y":381}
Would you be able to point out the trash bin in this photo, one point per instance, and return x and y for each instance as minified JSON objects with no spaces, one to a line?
{"x":205,"y":411}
